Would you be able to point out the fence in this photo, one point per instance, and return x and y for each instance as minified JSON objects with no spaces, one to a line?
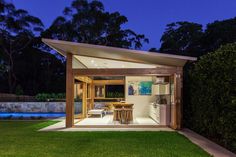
{"x":4,"y":97}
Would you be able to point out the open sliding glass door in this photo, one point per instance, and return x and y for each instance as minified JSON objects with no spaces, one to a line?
{"x":77,"y":99}
{"x":83,"y":90}
{"x":87,"y":98}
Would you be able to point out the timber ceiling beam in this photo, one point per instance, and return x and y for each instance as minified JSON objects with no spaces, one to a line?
{"x":125,"y":72}
{"x":84,"y":79}
{"x":109,"y":82}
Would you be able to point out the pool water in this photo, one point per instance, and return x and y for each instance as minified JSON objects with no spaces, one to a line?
{"x":30,"y":115}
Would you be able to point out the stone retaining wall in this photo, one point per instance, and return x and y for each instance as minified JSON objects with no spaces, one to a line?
{"x":37,"y":107}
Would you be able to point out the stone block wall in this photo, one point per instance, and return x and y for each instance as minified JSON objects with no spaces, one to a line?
{"x":37,"y":107}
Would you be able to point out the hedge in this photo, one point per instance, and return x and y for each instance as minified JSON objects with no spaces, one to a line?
{"x":210,"y":96}
{"x":50,"y":97}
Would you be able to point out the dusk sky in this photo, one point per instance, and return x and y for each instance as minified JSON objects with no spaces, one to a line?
{"x":147,"y":17}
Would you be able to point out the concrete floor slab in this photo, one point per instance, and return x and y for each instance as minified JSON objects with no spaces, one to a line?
{"x":108,"y":120}
{"x":60,"y":126}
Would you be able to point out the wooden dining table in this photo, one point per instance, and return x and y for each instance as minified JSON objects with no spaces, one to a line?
{"x":123,"y":112}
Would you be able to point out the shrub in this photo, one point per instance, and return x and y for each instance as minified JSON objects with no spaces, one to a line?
{"x":50,"y":97}
{"x":19,"y":90}
{"x":211,"y":106}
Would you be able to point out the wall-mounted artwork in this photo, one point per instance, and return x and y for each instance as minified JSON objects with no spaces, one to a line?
{"x":145,"y":88}
{"x":133,"y":87}
{"x":139,"y":87}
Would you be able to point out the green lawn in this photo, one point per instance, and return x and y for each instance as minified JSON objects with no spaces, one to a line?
{"x":21,"y":139}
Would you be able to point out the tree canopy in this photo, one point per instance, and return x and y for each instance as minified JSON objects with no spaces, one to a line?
{"x":17,"y":30}
{"x":182,"y":38}
{"x":186,"y":38}
{"x":26,"y":64}
{"x":219,"y":33}
{"x":88,"y":22}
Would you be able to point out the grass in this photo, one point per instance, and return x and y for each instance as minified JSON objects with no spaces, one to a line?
{"x":21,"y":139}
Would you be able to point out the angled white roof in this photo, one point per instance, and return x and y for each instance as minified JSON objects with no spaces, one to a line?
{"x":109,"y":57}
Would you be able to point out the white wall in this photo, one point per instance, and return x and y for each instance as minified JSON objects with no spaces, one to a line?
{"x":141,"y":102}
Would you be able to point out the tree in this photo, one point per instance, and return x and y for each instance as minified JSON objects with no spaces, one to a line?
{"x":219,"y":33}
{"x":2,"y":67}
{"x":38,"y":71}
{"x":87,"y":22}
{"x":183,"y":38}
{"x":17,"y":30}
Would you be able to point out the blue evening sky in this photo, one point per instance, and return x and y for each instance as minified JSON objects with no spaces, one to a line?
{"x":147,"y":17}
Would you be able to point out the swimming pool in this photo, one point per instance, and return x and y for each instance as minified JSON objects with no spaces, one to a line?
{"x":31,"y":115}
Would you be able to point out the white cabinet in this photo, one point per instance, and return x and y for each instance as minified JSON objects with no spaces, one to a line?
{"x":161,"y":89}
{"x":160,"y":114}
{"x":154,"y":113}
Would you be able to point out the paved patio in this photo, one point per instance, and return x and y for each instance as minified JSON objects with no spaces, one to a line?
{"x":207,"y":145}
{"x":60,"y":126}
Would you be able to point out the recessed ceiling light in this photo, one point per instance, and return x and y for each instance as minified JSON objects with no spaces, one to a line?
{"x":92,"y":61}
